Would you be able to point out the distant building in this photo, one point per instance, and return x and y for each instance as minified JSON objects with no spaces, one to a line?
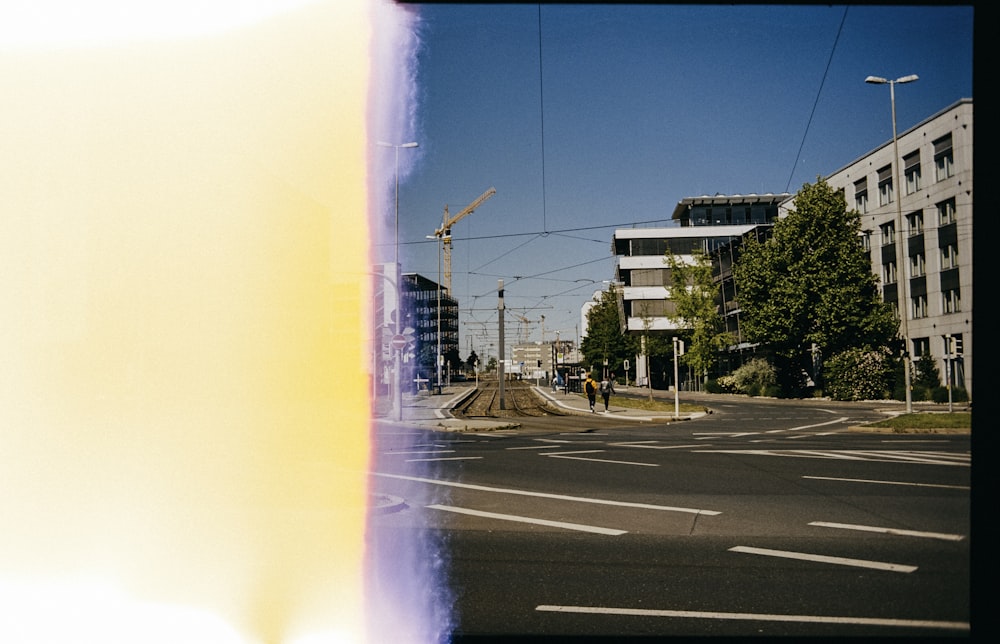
{"x":529,"y":357}
{"x":707,"y":224}
{"x":716,"y":225}
{"x":420,"y":304}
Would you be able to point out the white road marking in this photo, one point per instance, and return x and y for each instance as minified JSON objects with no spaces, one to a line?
{"x":600,"y":460}
{"x":906,"y":533}
{"x":759,"y":617}
{"x":638,"y":445}
{"x":546,"y":495}
{"x":534,"y":447}
{"x":834,"y":478}
{"x":437,"y":451}
{"x":842,"y":561}
{"x":519,"y":519}
{"x":579,"y":451}
{"x":926,"y":458}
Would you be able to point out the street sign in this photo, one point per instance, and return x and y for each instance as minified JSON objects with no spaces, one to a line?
{"x":398,"y":341}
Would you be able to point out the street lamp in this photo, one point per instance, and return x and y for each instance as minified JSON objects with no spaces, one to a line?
{"x":397,"y":394}
{"x":900,"y":250}
{"x":411,"y":144}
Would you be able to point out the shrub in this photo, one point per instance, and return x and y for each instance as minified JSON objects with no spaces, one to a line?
{"x":721,"y":385}
{"x":958,"y":394}
{"x":859,"y":374}
{"x":754,"y":377}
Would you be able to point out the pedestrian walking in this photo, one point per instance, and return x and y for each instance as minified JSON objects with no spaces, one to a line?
{"x":590,"y":387}
{"x":607,"y":388}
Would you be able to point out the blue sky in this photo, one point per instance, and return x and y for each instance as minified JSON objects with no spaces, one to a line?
{"x":586,"y":118}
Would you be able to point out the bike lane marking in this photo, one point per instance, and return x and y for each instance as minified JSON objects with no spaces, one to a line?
{"x":521,"y":519}
{"x":547,"y":495}
{"x":906,"y":533}
{"x":840,"y":561}
{"x":758,"y":617}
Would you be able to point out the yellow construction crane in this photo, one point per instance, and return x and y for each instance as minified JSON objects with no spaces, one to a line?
{"x":444,"y":233}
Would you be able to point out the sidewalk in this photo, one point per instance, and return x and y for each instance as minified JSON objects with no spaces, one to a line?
{"x":433,"y":411}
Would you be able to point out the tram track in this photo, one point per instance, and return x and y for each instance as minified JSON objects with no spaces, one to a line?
{"x":519,"y":400}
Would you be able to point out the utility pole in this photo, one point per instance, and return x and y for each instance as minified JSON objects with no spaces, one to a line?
{"x":678,"y":352}
{"x":500,"y":374}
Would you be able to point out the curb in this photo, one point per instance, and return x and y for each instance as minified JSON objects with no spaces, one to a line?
{"x":386,"y":503}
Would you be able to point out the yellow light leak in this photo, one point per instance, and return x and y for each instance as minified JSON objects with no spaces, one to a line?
{"x":46,"y":24}
{"x":183,"y":410}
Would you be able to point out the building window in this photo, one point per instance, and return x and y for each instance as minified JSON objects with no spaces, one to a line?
{"x":650,"y":277}
{"x":888,"y":233}
{"x":917,"y":265}
{"x":911,"y":171}
{"x":885,"y":185}
{"x":921,"y":346}
{"x":866,"y":240}
{"x":889,"y":273}
{"x":952,"y":300}
{"x":919,"y":303}
{"x":861,"y":195}
{"x":944,"y":160}
{"x":946,"y":212}
{"x":915,"y":223}
{"x":949,"y":256}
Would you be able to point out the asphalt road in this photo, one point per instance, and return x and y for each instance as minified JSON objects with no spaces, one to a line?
{"x":765,"y":518}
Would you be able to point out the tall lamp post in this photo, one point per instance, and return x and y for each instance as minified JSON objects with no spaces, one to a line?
{"x":397,"y":393}
{"x":900,"y":249}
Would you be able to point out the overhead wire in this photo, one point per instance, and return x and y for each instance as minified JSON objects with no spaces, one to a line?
{"x":816,"y":101}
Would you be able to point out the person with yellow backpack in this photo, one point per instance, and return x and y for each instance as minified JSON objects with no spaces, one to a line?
{"x":590,"y":388}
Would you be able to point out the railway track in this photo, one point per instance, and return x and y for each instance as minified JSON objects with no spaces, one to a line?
{"x":519,"y":401}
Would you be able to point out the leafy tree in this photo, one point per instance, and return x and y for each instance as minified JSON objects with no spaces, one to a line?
{"x":470,"y":362}
{"x":604,"y":339}
{"x":695,"y":296}
{"x":453,"y":359}
{"x":656,"y":347}
{"x":927,"y":373}
{"x":927,"y":378}
{"x":811,"y":282}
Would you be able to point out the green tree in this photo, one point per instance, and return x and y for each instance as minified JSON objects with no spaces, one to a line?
{"x":658,"y":348}
{"x":926,"y":379}
{"x":604,"y":339}
{"x":470,"y":362}
{"x":695,"y":296}
{"x":453,"y":359}
{"x":811,"y":282}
